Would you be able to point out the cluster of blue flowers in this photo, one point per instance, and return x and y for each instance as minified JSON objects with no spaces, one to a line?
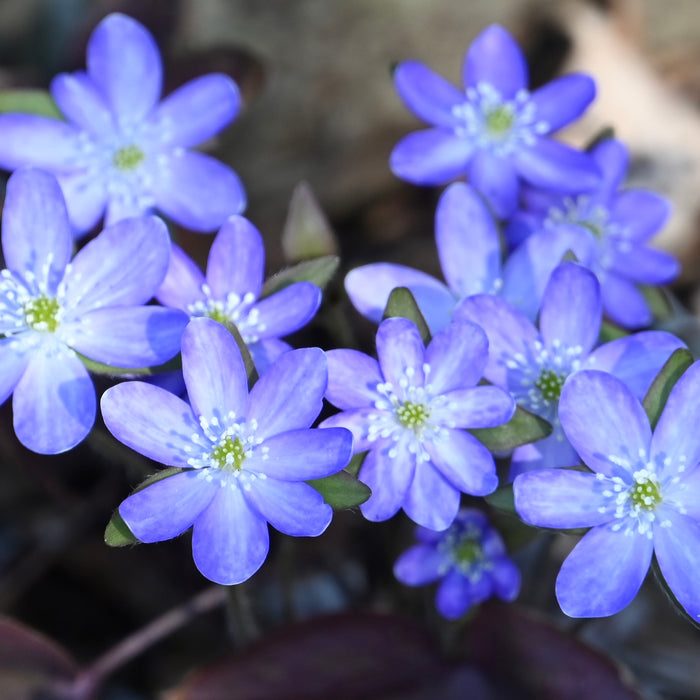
{"x":538,"y":244}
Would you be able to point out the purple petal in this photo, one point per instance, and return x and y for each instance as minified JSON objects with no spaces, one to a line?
{"x":677,"y":549}
{"x":642,"y":213}
{"x":464,"y":462}
{"x":36,"y":236}
{"x":183,"y":282}
{"x":420,"y":565}
{"x":352,"y":379}
{"x":624,"y":304}
{"x":642,"y":264}
{"x":151,"y":421}
{"x":604,"y":422}
{"x":603,"y":573}
{"x":562,"y":100}
{"x":494,"y":58}
{"x":86,"y":199}
{"x":551,"y":452}
{"x":125,"y":264}
{"x":431,"y":500}
{"x":289,"y":395}
{"x":369,"y":288}
{"x":265,"y":352}
{"x":128,"y":336}
{"x":13,"y":364}
{"x":357,"y":422}
{"x":429,"y":157}
{"x":125,"y":206}
{"x":236,"y":260}
{"x":477,"y":407}
{"x":457,"y":357}
{"x":562,"y":322}
{"x":400,"y":352}
{"x":215,"y":376}
{"x":54,"y":402}
{"x":505,"y":579}
{"x":286,"y":311}
{"x":635,"y":359}
{"x":562,"y":499}
{"x":81,"y":102}
{"x":612,"y":159}
{"x":427,"y":94}
{"x":230,"y":540}
{"x":196,"y":111}
{"x":298,"y":455}
{"x":682,"y":494}
{"x":197,"y":191}
{"x":496,"y":180}
{"x":167,"y":508}
{"x":556,"y":166}
{"x":455,"y":595}
{"x":124,"y":62}
{"x":468,"y":242}
{"x":389,"y":478}
{"x":29,"y":140}
{"x":293,"y":508}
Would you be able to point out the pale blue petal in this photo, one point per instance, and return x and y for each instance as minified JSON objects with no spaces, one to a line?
{"x":357,"y":421}
{"x":496,"y":180}
{"x":613,"y":159}
{"x":642,"y":264}
{"x":431,"y":500}
{"x":265,"y":352}
{"x":401,"y":352}
{"x":121,"y":205}
{"x":13,"y":364}
{"x":86,"y":199}
{"x":388,"y":477}
{"x":624,"y":304}
{"x":505,"y":579}
{"x":476,"y":407}
{"x":456,"y":594}
{"x":642,"y":213}
{"x":352,"y":379}
{"x":182,"y":286}
{"x":420,"y":565}
{"x":682,"y":495}
{"x":81,"y":103}
{"x":286,"y":311}
{"x":563,"y":99}
{"x":551,"y":452}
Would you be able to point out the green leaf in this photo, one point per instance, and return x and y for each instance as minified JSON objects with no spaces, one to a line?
{"x":341,"y":490}
{"x":655,"y":400}
{"x":307,"y":233}
{"x":523,"y":428}
{"x":110,"y":371}
{"x":569,"y":256}
{"x":356,"y":463}
{"x":604,"y":134}
{"x":319,"y":272}
{"x":402,"y":304}
{"x":37,"y":102}
{"x":250,"y":369}
{"x":609,"y":331}
{"x":658,"y":301}
{"x":117,"y":533}
{"x":503,"y":499}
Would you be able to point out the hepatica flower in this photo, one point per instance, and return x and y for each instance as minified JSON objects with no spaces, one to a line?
{"x":230,"y":291}
{"x":409,"y":410}
{"x":533,"y":363}
{"x":642,"y":498}
{"x":469,"y":559}
{"x":119,"y":149}
{"x":611,"y":230}
{"x":52,"y":308}
{"x":493,"y":131}
{"x":245,"y":456}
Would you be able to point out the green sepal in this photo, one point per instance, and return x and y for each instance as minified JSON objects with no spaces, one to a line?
{"x":356,"y":463}
{"x":609,"y":331}
{"x":658,"y":575}
{"x":402,"y":304}
{"x":250,"y":369}
{"x":319,"y":271}
{"x":502,"y":498}
{"x":523,"y":428}
{"x":110,"y":371}
{"x":604,"y":134}
{"x":655,"y":399}
{"x":341,"y":490}
{"x":569,"y":256}
{"x":38,"y":102}
{"x":658,"y":301}
{"x":117,"y":533}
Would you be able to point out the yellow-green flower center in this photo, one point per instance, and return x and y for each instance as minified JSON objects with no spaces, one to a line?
{"x":412,"y":415}
{"x":41,"y":313}
{"x":499,"y":121}
{"x":229,"y":454}
{"x":217,"y":313}
{"x":468,"y":551}
{"x":646,"y":493}
{"x":594,"y":228}
{"x":128,"y":158}
{"x":550,"y":384}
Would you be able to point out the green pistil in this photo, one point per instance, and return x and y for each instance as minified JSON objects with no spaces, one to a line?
{"x":229,"y":454}
{"x":216,"y":313}
{"x":550,"y":385}
{"x":500,"y":120}
{"x":646,"y":494}
{"x":128,"y":158}
{"x":468,"y":551}
{"x":596,"y":230}
{"x":412,"y":415}
{"x":42,"y":314}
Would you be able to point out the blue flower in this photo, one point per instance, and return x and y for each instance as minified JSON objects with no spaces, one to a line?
{"x":608,"y":229}
{"x":52,"y":308}
{"x":533,"y":364}
{"x":495,"y":131}
{"x":119,"y":149}
{"x":229,"y":293}
{"x":642,"y":499}
{"x":245,"y":456}
{"x":409,"y":410}
{"x":470,"y":560}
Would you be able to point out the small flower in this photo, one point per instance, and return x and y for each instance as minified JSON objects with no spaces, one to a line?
{"x":642,"y":499}
{"x":52,"y":308}
{"x":409,"y":410}
{"x":495,"y":130}
{"x":229,"y":293}
{"x":469,"y":558}
{"x":245,"y":456}
{"x":533,"y":364}
{"x":119,"y":149}
{"x":608,"y":229}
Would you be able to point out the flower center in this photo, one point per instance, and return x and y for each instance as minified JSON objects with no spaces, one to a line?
{"x":550,"y":384}
{"x":412,"y":415}
{"x":468,"y":551}
{"x":229,"y":454}
{"x":41,"y":313}
{"x":500,"y":120}
{"x":128,"y":158}
{"x":645,"y":493}
{"x":233,"y":309}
